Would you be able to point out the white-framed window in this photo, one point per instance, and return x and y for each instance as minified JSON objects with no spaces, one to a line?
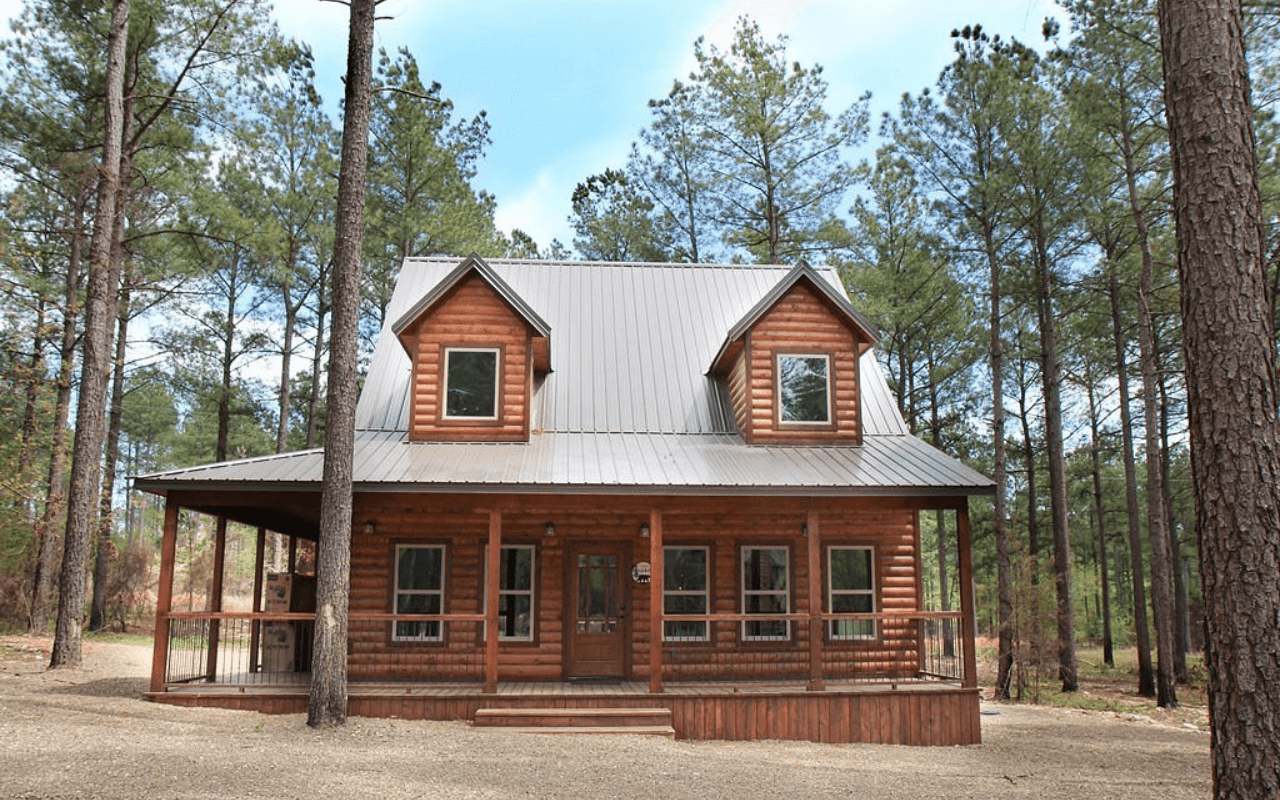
{"x":515,"y":593}
{"x":766,"y":591}
{"x":851,"y":590}
{"x":684,"y":591}
{"x":471,"y":383}
{"x":419,"y":590}
{"x":804,"y":388}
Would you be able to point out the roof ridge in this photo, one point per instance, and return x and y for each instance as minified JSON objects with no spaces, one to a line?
{"x":538,"y":262}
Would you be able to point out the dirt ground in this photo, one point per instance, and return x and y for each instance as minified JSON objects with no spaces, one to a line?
{"x":89,"y":734}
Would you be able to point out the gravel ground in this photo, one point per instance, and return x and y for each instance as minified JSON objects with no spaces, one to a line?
{"x":87,"y":733}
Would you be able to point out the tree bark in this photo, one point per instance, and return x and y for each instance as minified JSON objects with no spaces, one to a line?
{"x":1229,"y":341}
{"x":86,"y":459}
{"x":327,"y":704}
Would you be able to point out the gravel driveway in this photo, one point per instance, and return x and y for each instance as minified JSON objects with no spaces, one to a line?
{"x":87,"y":733}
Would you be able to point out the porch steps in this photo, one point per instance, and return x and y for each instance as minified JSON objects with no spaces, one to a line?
{"x":643,"y":721}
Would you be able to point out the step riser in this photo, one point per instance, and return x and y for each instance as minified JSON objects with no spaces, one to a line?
{"x":585,"y":719}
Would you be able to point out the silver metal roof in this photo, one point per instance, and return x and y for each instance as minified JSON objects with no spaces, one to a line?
{"x":628,"y":408}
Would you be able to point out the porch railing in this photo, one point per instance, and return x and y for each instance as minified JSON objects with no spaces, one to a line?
{"x":275,"y":648}
{"x":865,"y":648}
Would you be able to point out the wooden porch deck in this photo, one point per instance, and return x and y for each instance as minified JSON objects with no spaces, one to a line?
{"x":909,"y":712}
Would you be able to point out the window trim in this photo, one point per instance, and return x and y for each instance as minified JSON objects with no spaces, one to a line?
{"x":531,"y":592}
{"x":705,"y":593}
{"x":830,"y":421}
{"x":744,"y":592}
{"x":396,"y":592}
{"x":448,"y":350}
{"x":831,"y":593}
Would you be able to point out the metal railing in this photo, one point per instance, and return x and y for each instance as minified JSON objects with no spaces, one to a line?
{"x":864,"y":648}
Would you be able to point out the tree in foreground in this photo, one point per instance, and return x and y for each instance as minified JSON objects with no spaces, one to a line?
{"x":1228,"y":337}
{"x":86,"y":468}
{"x":327,"y":704}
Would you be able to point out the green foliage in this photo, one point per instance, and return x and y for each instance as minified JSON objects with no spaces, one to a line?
{"x":744,"y":158}
{"x":420,"y":197}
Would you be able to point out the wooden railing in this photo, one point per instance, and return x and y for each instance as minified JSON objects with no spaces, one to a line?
{"x":275,"y":648}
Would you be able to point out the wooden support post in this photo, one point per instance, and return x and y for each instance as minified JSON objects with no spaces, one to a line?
{"x":491,"y":603}
{"x":968,"y":620}
{"x":164,"y":594}
{"x":293,"y":554}
{"x":656,"y":573}
{"x":813,"y":537}
{"x":215,"y":597}
{"x":255,"y":628}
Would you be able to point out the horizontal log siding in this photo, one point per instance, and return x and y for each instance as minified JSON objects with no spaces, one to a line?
{"x":471,"y":315}
{"x":800,"y":323}
{"x":724,"y":525}
{"x":893,"y":534}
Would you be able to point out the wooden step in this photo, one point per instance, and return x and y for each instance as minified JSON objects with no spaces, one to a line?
{"x":638,"y":730}
{"x":650,"y":721}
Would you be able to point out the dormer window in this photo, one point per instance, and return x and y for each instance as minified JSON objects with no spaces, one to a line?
{"x":804,"y":389}
{"x":471,"y":383}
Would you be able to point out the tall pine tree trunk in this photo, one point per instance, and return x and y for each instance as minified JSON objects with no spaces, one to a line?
{"x":1141,"y":630}
{"x":47,"y":540}
{"x":1229,"y":340}
{"x":99,"y":322}
{"x":1095,"y":462}
{"x":327,"y":704}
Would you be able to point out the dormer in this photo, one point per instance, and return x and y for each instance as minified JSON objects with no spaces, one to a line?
{"x":791,"y":364}
{"x":477,"y":349}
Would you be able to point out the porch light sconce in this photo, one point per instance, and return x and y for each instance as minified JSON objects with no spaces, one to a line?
{"x":644,"y":530}
{"x":369,"y":528}
{"x":804,"y":530}
{"x":549,"y":529}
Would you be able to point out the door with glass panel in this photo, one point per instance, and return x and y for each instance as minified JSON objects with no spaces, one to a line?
{"x":597,"y":611}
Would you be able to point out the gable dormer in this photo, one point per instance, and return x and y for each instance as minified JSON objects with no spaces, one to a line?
{"x":476,"y":348}
{"x":791,"y":364}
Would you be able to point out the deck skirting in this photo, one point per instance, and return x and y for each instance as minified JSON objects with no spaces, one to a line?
{"x":914,"y":715}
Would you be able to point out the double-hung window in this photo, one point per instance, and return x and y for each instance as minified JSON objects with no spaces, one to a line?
{"x":766,"y":591}
{"x":470,"y":383}
{"x":851,"y":590}
{"x":804,"y":389}
{"x":515,"y":594}
{"x":419,"y":590}
{"x":684,"y":591}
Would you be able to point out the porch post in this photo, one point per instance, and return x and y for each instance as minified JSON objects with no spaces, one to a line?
{"x":968,"y":622}
{"x":656,"y":573}
{"x":164,"y":594}
{"x":215,"y":597}
{"x":813,"y":538}
{"x":491,"y":603}
{"x":255,"y":629}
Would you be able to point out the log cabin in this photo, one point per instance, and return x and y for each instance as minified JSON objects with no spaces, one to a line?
{"x":608,"y":488}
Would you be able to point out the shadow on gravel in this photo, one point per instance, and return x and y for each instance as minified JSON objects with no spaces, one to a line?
{"x":107,"y":687}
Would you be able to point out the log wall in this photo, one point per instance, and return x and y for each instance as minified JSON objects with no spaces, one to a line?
{"x":724,"y":525}
{"x":470,"y":315}
{"x":801,"y":323}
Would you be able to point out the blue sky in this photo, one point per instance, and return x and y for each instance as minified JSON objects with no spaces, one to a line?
{"x":566,"y":82}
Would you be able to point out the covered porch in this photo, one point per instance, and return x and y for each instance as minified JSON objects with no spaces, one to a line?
{"x":814,"y":687}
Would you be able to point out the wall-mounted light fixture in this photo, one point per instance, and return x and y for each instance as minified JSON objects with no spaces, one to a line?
{"x":804,"y":530}
{"x":549,"y":529}
{"x":644,"y":530}
{"x":370,"y":527}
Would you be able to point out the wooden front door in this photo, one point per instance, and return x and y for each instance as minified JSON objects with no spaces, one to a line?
{"x":597,"y":621}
